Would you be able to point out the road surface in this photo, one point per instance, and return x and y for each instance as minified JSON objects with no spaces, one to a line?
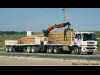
{"x":45,"y":55}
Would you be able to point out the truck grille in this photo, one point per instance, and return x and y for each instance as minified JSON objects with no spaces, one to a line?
{"x":90,"y":47}
{"x":90,"y":42}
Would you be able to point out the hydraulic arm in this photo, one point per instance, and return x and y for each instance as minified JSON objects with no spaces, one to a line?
{"x":50,"y":28}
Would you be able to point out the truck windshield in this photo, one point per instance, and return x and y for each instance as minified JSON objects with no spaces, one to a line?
{"x":89,"y":37}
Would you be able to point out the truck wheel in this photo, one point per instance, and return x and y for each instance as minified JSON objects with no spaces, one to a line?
{"x":7,"y":49}
{"x":33,"y":50}
{"x":79,"y":51}
{"x":89,"y":53}
{"x":76,"y":50}
{"x":73,"y":51}
{"x":49,"y":50}
{"x":28,"y":50}
{"x":55,"y":50}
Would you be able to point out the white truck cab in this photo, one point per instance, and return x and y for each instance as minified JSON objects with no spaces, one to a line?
{"x":86,"y":41}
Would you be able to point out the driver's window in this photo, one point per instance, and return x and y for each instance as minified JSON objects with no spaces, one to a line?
{"x":78,"y":36}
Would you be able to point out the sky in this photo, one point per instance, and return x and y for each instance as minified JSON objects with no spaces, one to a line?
{"x":37,"y":19}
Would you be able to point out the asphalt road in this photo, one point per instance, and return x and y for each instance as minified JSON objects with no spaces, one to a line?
{"x":45,"y":55}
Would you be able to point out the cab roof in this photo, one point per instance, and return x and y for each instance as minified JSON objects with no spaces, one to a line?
{"x":83,"y":32}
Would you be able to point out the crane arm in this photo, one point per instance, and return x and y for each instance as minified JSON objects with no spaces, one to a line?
{"x":50,"y":28}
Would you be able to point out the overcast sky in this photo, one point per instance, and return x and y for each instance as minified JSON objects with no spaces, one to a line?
{"x":37,"y":19}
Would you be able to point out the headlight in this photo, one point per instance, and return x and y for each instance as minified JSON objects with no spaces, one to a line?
{"x":84,"y":48}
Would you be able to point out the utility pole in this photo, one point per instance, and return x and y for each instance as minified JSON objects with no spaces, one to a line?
{"x":64,"y":14}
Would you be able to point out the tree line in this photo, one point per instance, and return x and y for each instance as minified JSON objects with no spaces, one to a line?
{"x":11,"y":32}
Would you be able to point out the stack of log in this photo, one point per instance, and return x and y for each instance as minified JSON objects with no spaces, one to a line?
{"x":58,"y":37}
{"x":26,"y":40}
{"x":34,"y":39}
{"x":53,"y":38}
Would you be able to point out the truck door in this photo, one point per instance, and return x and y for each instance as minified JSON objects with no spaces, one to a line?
{"x":77,"y":39}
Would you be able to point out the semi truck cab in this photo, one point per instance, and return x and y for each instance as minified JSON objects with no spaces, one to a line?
{"x":86,"y":41}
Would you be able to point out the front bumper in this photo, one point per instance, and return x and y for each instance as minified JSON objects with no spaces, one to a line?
{"x":88,"y":49}
{"x":85,"y":53}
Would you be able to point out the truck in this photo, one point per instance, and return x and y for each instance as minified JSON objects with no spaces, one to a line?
{"x":67,"y":42}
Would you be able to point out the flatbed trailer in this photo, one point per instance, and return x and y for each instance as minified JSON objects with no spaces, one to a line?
{"x":35,"y":48}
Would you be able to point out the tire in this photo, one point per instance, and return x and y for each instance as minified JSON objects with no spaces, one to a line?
{"x":28,"y":50}
{"x":55,"y":51}
{"x":49,"y":50}
{"x":32,"y":50}
{"x":89,"y":53}
{"x":79,"y":51}
{"x":73,"y":52}
{"x":7,"y":49}
{"x":76,"y":50}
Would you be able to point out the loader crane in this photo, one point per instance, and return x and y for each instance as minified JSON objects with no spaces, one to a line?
{"x":61,"y":25}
